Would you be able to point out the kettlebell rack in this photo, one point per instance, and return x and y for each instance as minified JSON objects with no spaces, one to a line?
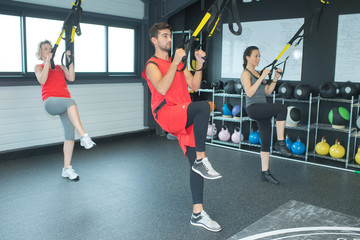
{"x":309,"y":128}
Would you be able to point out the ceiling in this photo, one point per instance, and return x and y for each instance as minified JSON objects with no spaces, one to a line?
{"x":122,"y":8}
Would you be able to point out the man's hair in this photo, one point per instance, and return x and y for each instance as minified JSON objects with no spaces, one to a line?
{"x":38,"y":53}
{"x":154,"y":30}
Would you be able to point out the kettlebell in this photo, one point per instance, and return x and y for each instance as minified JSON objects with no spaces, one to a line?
{"x":212,"y":106}
{"x":288,"y":141}
{"x":224,"y":134}
{"x":254,"y":137}
{"x":298,"y":147}
{"x":336,"y":150}
{"x":212,"y":130}
{"x":357,"y":156}
{"x":322,"y":148}
{"x":235,"y":137}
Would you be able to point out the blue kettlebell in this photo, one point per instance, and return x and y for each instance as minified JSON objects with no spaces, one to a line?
{"x":298,"y":147}
{"x":254,"y":137}
{"x":288,"y":142}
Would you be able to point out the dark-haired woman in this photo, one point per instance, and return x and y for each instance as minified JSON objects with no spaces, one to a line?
{"x":257,"y":108}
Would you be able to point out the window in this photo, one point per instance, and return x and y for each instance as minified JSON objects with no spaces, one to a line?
{"x":10,"y":44}
{"x":37,"y":30}
{"x":90,"y":49}
{"x":121,"y":49}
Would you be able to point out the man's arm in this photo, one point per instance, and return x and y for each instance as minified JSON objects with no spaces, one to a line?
{"x":194,"y":81}
{"x":163,"y":83}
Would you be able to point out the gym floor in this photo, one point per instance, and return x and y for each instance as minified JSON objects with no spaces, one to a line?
{"x":137,"y":187}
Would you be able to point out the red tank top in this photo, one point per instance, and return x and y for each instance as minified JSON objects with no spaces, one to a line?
{"x":55,"y":85}
{"x":178,"y":93}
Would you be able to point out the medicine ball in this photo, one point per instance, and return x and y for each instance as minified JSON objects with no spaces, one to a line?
{"x":217,"y":84}
{"x":286,"y":90}
{"x":348,"y":90}
{"x":236,"y":111}
{"x":293,"y":116}
{"x":358,"y":122}
{"x":212,"y":106}
{"x":229,"y":87}
{"x":328,"y":90}
{"x":227,"y":110}
{"x":238,"y":87}
{"x":302,"y":91}
{"x":204,"y":84}
{"x":339,"y":117}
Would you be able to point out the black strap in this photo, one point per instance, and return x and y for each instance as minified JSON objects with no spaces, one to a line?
{"x":157,"y":109}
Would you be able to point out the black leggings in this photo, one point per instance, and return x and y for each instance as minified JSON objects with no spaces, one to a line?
{"x":196,"y":181}
{"x":198,"y":113}
{"x":262,"y":113}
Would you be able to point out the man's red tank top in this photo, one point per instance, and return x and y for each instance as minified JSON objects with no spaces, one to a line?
{"x":177,"y":96}
{"x":55,"y":85}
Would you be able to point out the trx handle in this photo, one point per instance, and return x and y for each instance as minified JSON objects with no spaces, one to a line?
{"x":314,"y":24}
{"x":70,"y":27}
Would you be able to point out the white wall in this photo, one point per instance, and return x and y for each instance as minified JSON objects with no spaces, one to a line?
{"x":104,"y":109}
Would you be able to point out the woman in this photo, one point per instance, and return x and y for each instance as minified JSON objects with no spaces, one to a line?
{"x":257,"y":108}
{"x":57,"y":101}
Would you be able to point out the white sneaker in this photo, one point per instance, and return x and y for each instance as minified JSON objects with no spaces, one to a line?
{"x":86,"y":142}
{"x":204,"y":169}
{"x":203,"y":220}
{"x":70,"y":173}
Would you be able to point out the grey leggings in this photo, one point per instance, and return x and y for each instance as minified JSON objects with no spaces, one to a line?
{"x":59,"y":106}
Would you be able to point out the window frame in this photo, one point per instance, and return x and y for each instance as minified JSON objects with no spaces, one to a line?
{"x":24,"y":10}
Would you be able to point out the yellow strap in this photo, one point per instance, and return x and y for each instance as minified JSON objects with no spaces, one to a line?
{"x":72,"y":34}
{"x":59,"y":38}
{"x":202,"y":23}
{"x":282,"y":52}
{"x":214,"y":26}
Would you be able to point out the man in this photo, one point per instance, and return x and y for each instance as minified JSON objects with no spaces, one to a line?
{"x":175,"y":113}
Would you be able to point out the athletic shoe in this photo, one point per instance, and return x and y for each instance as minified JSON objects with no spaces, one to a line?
{"x":267,"y":177}
{"x":171,"y":136}
{"x":204,"y":169}
{"x":86,"y":142}
{"x":282,"y":148}
{"x":203,"y":220}
{"x":70,"y":173}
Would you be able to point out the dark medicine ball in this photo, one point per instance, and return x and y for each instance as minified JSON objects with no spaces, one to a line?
{"x":302,"y":91}
{"x":348,"y":90}
{"x":204,"y":84}
{"x":229,"y":87}
{"x":286,"y":90}
{"x":339,"y":116}
{"x":238,"y":87}
{"x":217,"y":84}
{"x":328,"y":90}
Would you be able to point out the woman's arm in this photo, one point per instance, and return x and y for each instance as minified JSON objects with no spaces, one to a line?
{"x":69,"y":73}
{"x":250,"y":90}
{"x":42,"y":73}
{"x":269,"y":88}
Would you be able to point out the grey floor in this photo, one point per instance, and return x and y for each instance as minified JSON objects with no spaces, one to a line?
{"x":137,"y":187}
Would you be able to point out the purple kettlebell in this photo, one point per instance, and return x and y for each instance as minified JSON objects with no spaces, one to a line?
{"x":224,"y":134}
{"x":211,"y":131}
